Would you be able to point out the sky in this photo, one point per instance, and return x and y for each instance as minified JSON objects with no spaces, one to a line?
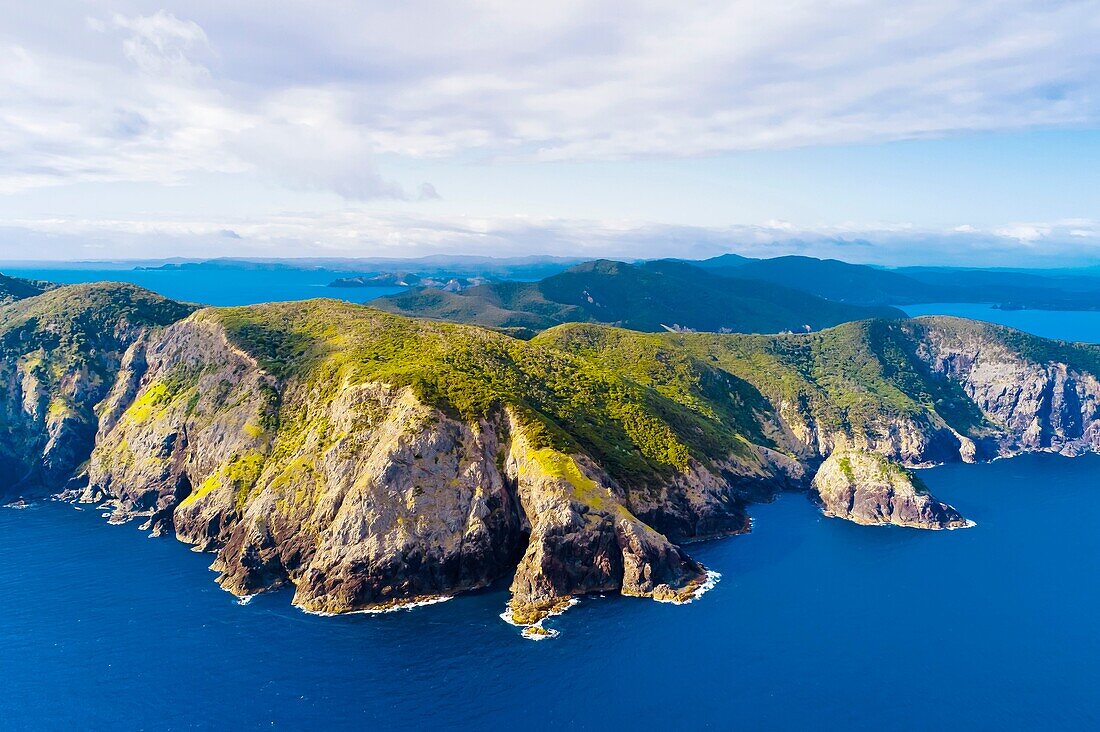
{"x":889,"y":132}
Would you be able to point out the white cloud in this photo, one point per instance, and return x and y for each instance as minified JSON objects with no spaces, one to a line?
{"x":161,"y":43}
{"x":360,"y":233}
{"x":309,"y":98}
{"x":214,"y":86}
{"x":157,"y":114}
{"x":1024,"y":232}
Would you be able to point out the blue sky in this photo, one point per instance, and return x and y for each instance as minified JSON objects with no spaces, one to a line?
{"x":897,"y":133}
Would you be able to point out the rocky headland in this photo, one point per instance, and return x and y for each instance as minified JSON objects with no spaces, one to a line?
{"x":370,"y":460}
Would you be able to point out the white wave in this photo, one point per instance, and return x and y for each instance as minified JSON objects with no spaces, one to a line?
{"x":506,"y":616}
{"x":708,"y":585}
{"x":536,"y":632}
{"x":318,"y":613}
{"x":382,"y":610}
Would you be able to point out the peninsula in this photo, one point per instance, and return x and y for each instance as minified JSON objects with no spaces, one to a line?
{"x":373,"y":460}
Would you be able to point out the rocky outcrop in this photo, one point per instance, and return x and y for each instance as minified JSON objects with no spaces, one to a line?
{"x":583,"y":539}
{"x":869,"y":489}
{"x":60,"y":353}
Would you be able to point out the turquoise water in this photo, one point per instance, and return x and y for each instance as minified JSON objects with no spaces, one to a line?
{"x":225,"y":287}
{"x":1062,"y":324}
{"x":816,"y":623}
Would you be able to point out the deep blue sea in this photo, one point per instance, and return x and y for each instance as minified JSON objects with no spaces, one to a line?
{"x":816,"y":624}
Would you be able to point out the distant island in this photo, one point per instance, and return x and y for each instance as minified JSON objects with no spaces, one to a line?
{"x":372,"y":460}
{"x":410,"y":279}
{"x":439,"y":267}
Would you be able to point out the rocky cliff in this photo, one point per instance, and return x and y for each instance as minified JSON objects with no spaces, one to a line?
{"x":370,"y":461}
{"x":363,"y":492}
{"x":869,"y":489}
{"x":60,"y":353}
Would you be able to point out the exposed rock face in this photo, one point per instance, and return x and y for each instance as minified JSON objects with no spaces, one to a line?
{"x":363,"y":497}
{"x":60,"y":353}
{"x":583,"y":539}
{"x":869,"y":489}
{"x":315,"y":445}
{"x":367,"y":498}
{"x":1031,"y":406}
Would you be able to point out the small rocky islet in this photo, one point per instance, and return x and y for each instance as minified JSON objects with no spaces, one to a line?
{"x":372,"y":460}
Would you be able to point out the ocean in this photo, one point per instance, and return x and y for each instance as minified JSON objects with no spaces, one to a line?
{"x":1076,"y":325}
{"x":816,"y":623}
{"x":223,"y":287}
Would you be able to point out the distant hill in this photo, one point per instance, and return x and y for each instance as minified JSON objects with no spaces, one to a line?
{"x":722,"y":260}
{"x":654,"y":296}
{"x":833,"y":279}
{"x":17,"y":288}
{"x":436,"y":267}
{"x":867,"y":285}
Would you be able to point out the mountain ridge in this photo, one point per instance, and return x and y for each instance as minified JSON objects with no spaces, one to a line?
{"x":651,"y":296}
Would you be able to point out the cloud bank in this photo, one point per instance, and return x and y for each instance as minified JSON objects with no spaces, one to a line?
{"x":310,"y":93}
{"x":380,"y":234}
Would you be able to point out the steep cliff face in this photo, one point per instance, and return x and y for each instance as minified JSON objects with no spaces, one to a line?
{"x":363,"y":493}
{"x":1036,"y":395}
{"x":869,"y":489}
{"x":60,"y":353}
{"x":584,"y":539}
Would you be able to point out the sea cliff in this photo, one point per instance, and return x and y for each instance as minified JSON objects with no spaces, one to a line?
{"x":370,"y":460}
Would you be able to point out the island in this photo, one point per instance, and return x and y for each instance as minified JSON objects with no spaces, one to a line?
{"x":445,"y":282}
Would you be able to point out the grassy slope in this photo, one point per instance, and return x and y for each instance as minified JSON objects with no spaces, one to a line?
{"x":568,"y":402}
{"x":640,"y":403}
{"x":74,"y":318}
{"x":849,"y":377}
{"x":646,"y":297}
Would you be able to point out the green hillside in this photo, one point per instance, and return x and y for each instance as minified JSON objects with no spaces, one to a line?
{"x":652,"y":297}
{"x":60,"y":351}
{"x":570,"y":402}
{"x":17,"y":288}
